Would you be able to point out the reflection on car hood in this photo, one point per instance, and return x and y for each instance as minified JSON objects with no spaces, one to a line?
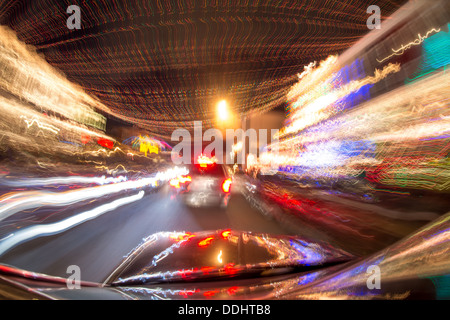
{"x":181,"y":256}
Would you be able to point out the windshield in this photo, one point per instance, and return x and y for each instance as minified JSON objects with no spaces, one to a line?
{"x":177,"y":142}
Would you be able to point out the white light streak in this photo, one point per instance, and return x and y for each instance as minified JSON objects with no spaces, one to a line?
{"x":63,"y":225}
{"x":16,"y":202}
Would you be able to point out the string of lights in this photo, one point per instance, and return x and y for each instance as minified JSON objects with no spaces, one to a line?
{"x":163,"y":64}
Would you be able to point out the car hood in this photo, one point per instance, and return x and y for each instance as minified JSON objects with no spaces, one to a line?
{"x":416,"y":267}
{"x":181,"y":256}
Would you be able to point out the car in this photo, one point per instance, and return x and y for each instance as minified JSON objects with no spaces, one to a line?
{"x":208,"y":184}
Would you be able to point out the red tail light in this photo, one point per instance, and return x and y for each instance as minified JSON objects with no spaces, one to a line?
{"x":226,"y":185}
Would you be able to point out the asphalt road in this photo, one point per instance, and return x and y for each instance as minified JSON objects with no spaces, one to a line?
{"x":99,"y":244}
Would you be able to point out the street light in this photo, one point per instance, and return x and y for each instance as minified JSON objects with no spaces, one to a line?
{"x":222,"y":110}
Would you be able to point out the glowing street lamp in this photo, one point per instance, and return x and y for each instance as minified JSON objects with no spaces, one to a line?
{"x":222,"y":110}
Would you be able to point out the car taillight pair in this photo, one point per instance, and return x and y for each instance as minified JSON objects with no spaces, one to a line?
{"x":176,"y":183}
{"x":226,"y":185}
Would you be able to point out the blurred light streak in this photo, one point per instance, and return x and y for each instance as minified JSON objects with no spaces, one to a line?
{"x":22,"y":126}
{"x":118,"y":168}
{"x":107,"y":153}
{"x":61,"y":181}
{"x":181,"y":236}
{"x":35,"y":231}
{"x":399,"y":125}
{"x":312,"y":108}
{"x":435,"y":55}
{"x":27,"y":75}
{"x":416,"y":42}
{"x":40,"y":125}
{"x":12,"y":203}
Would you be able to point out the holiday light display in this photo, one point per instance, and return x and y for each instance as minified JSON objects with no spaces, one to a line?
{"x":162,"y":64}
{"x":342,"y":127}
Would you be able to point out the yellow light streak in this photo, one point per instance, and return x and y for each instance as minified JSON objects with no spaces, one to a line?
{"x":416,"y":42}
